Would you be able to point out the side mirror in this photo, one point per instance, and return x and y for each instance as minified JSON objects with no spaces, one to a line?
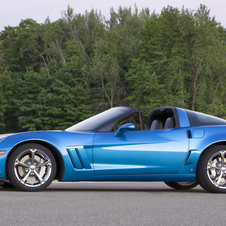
{"x":124,"y":128}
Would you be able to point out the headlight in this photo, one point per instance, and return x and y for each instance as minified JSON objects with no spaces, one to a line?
{"x":2,"y":138}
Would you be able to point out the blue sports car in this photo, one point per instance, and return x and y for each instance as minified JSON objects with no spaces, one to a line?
{"x":183,"y":148}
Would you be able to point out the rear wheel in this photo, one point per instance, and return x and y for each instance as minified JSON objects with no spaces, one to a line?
{"x":211,"y":170}
{"x":182,"y":185}
{"x":31,"y":167}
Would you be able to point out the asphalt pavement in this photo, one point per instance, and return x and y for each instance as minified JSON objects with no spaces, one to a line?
{"x":111,"y":203}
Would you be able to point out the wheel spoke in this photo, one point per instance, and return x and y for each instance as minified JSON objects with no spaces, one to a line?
{"x":21,"y":164}
{"x":46,"y":163}
{"x":39,"y":177}
{"x":219,"y":179}
{"x":211,"y":166}
{"x":222,"y":157}
{"x":32,"y":156}
{"x":25,"y":178}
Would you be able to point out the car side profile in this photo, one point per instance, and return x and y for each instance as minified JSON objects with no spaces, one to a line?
{"x":183,"y":148}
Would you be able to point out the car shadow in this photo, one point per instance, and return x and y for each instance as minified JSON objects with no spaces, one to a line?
{"x":112,"y":187}
{"x":118,"y":187}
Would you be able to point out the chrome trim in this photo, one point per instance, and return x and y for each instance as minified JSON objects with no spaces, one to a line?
{"x":75,"y":147}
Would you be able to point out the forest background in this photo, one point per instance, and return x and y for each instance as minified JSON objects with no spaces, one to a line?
{"x":55,"y":74}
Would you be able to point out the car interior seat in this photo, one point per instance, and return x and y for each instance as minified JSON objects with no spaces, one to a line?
{"x":156,"y":124}
{"x":170,"y":123}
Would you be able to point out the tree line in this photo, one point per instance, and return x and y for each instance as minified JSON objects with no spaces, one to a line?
{"x":55,"y":74}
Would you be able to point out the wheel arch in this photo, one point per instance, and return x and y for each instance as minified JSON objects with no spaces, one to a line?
{"x":207,"y":148}
{"x":54,"y":151}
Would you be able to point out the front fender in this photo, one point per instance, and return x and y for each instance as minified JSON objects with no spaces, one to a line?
{"x":57,"y":139}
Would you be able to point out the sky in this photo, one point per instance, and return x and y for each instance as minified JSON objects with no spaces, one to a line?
{"x":13,"y":11}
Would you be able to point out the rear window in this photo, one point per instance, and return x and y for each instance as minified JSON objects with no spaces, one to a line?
{"x":200,"y":119}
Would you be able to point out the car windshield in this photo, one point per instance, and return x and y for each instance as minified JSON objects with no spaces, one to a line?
{"x":200,"y":119}
{"x":91,"y":124}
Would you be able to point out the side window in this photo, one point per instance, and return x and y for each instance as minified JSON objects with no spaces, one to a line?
{"x":133,"y":119}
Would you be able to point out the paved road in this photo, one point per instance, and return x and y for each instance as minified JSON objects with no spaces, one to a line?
{"x":111,"y":203}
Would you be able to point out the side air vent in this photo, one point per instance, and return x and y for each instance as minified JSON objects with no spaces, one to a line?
{"x":78,"y":157}
{"x":189,"y":153}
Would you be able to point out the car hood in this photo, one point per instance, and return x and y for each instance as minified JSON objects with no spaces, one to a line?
{"x":40,"y":132}
{"x":6,"y":135}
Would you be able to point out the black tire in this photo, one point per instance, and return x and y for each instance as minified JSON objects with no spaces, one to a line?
{"x":211,"y":169}
{"x":7,"y":184}
{"x":182,"y":185}
{"x":31,"y":167}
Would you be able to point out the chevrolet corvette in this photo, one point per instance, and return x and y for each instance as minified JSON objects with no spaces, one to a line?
{"x":180,"y":147}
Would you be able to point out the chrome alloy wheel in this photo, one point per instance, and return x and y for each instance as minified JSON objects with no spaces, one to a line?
{"x":216,"y":169}
{"x":32,"y":167}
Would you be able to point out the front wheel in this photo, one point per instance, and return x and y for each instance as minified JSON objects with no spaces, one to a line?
{"x":211,"y":170}
{"x":6,"y":184}
{"x":182,"y":185}
{"x":31,"y":167}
